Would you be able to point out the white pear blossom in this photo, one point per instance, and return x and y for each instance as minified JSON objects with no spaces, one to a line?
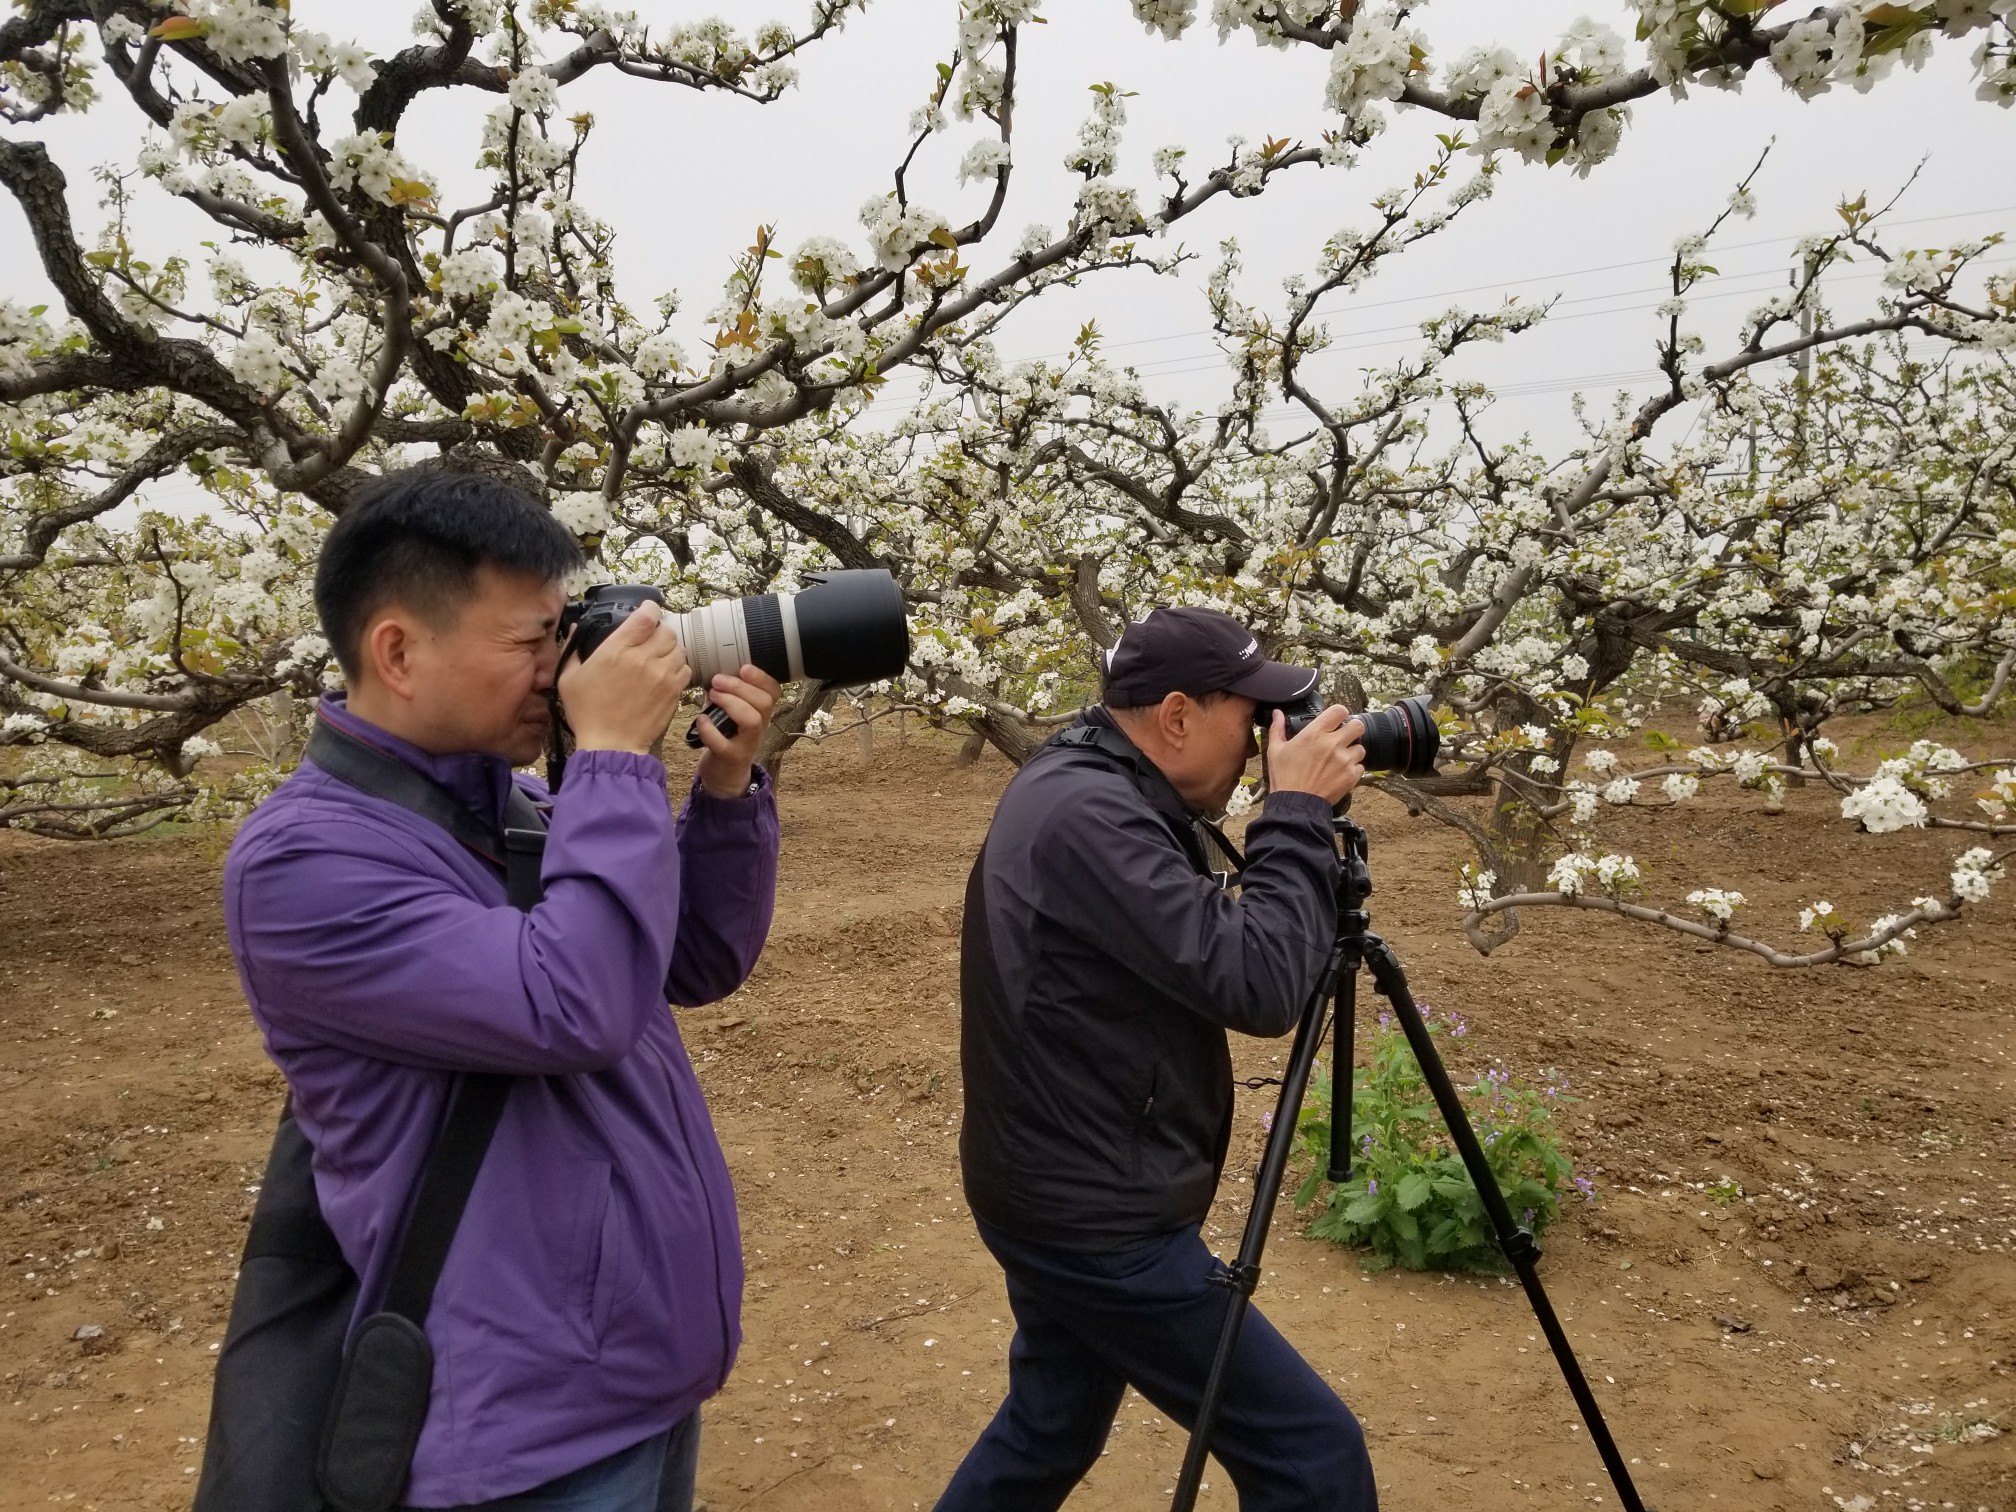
{"x":1883,"y":805}
{"x":240,"y":31}
{"x":1973,"y":873}
{"x":1569,"y":872}
{"x":470,"y":273}
{"x":1374,"y":63}
{"x":261,"y":362}
{"x":1169,"y":17}
{"x":584,"y":513}
{"x":533,"y":91}
{"x":983,"y":159}
{"x":691,"y":446}
{"x":1516,"y":115}
{"x":1720,"y":904}
{"x":1582,"y":802}
{"x":1474,"y":887}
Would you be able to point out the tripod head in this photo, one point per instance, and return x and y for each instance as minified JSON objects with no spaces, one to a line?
{"x":1354,"y":883}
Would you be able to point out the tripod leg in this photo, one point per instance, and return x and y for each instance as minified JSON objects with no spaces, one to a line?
{"x":1343,"y":1051}
{"x":1266,"y":1188}
{"x":1515,"y":1241}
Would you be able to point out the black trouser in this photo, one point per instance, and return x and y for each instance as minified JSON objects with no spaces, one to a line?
{"x":1087,"y":1326}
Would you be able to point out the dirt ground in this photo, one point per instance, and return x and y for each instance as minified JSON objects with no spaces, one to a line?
{"x":1841,"y":1336}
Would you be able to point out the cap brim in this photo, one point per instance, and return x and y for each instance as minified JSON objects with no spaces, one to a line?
{"x":1274,"y":682}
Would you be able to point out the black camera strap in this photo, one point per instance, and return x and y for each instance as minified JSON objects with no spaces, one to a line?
{"x":515,"y":849}
{"x":382,"y":1388}
{"x":477,"y":1102}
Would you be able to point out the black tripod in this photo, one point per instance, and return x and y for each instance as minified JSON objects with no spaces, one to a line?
{"x":1356,"y":945}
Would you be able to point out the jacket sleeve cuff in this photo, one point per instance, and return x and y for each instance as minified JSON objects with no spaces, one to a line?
{"x":636,"y":764}
{"x":703,"y":803}
{"x":1308,"y":807}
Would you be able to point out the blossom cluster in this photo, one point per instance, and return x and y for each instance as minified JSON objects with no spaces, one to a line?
{"x":1883,"y":805}
{"x":1720,"y":904}
{"x":1614,"y":874}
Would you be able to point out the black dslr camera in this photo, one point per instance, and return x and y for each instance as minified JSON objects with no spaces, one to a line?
{"x":1401,"y":739}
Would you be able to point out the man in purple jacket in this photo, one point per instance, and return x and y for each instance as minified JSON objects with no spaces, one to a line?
{"x":591,"y":1299}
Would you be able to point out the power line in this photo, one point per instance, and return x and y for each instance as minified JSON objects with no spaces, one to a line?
{"x":1692,"y":300}
{"x":1642,"y":262}
{"x":1513,"y":283}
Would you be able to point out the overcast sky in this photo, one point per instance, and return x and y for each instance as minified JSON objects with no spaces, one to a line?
{"x":686,"y":178}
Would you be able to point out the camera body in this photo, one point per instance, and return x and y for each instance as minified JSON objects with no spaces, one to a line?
{"x":1401,"y":739}
{"x":600,"y":610}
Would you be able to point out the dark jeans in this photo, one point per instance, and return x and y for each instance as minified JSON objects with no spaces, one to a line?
{"x":654,"y":1476}
{"x":1087,"y":1326}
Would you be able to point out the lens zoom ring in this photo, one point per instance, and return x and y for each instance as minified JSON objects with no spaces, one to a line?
{"x":763,"y":621}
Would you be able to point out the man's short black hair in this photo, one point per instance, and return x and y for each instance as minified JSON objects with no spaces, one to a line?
{"x":417,"y":539}
{"x":1143,"y":711}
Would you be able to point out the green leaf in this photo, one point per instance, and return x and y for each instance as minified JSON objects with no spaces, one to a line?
{"x":1369,"y":1208}
{"x":1415,"y":1189}
{"x":1306,"y":1193}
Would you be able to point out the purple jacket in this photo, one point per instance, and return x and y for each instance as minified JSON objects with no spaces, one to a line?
{"x":593,"y":1294}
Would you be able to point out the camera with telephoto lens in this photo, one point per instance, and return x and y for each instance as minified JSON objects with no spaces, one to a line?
{"x":1401,"y":739}
{"x":847,"y":628}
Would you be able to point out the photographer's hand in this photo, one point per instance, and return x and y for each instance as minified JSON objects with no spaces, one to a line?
{"x":727,"y":765}
{"x":623,"y":697}
{"x":1325,"y":759}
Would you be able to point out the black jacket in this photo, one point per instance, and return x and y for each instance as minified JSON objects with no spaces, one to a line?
{"x":1101,"y":964}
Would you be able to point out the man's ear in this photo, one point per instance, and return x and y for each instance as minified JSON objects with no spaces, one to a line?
{"x":1174,"y":717}
{"x":390,"y":644}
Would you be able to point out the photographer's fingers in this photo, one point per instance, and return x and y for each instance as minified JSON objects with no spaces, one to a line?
{"x":755,"y":687}
{"x":749,"y":717}
{"x":636,"y":628}
{"x":1325,"y":723}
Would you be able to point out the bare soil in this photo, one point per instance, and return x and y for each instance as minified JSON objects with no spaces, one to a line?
{"x":1841,"y":1335}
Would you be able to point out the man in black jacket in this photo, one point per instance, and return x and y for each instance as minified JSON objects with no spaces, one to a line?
{"x":1102,"y":962}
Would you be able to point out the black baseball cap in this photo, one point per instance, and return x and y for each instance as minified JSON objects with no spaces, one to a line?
{"x":1196,"y":651}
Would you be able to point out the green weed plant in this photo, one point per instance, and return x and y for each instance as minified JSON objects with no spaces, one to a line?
{"x":1409,"y":1201}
